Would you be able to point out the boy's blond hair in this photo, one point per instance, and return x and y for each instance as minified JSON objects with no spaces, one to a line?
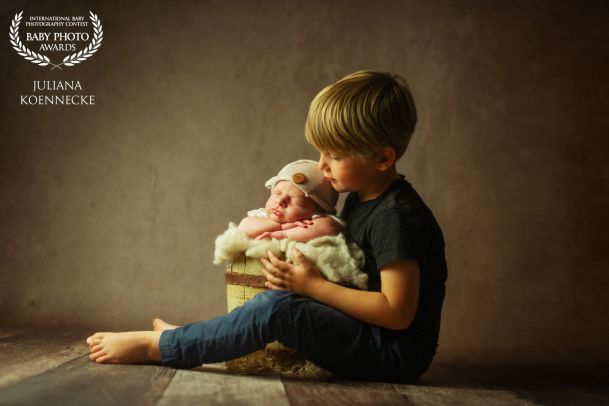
{"x":361,"y":113}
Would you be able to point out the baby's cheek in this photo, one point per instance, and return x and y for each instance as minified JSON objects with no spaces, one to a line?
{"x":296,"y":214}
{"x":302,"y":214}
{"x":269,"y":204}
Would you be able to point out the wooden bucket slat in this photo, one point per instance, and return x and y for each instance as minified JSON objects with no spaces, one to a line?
{"x":244,"y":280}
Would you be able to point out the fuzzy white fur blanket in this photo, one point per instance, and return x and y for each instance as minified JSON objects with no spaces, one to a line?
{"x":337,"y":260}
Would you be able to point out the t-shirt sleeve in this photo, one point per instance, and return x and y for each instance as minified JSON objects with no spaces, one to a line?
{"x":396,"y":234}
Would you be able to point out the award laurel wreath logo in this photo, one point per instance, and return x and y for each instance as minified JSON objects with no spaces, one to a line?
{"x":69,"y":60}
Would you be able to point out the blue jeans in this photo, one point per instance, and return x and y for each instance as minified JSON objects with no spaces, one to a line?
{"x":328,"y":337}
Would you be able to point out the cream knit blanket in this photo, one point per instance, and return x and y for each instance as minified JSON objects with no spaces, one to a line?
{"x":337,"y":260}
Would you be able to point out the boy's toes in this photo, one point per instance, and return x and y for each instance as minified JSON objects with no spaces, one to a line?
{"x":104,"y":359}
{"x":96,"y":355}
{"x":95,"y":348}
{"x":94,"y":342}
{"x":95,"y":337}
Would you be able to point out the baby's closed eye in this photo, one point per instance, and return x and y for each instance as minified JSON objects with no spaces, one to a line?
{"x":299,"y":201}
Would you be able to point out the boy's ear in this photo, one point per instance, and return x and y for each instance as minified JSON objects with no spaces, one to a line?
{"x":385,"y":158}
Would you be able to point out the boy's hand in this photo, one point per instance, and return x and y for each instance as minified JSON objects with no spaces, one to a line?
{"x":302,"y":278}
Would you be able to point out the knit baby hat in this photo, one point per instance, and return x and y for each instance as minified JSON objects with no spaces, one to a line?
{"x":306,"y":176}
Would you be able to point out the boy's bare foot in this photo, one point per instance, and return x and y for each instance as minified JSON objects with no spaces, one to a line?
{"x":160,"y":325}
{"x":131,"y":347}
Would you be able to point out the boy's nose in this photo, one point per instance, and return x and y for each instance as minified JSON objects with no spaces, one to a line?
{"x":322,"y":163}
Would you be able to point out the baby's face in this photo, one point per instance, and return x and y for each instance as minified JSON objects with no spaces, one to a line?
{"x":288,"y":203}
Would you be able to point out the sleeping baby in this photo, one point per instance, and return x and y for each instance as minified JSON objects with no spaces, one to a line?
{"x":298,"y":214}
{"x":301,"y":206}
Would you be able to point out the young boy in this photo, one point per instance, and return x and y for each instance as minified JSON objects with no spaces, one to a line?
{"x":361,"y":125}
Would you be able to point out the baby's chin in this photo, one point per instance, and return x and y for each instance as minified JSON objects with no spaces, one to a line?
{"x":275,"y":218}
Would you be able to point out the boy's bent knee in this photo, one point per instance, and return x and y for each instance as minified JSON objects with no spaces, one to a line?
{"x":279,"y":302}
{"x":275,"y":297}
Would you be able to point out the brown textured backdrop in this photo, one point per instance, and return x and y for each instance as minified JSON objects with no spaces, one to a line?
{"x":109,"y":213}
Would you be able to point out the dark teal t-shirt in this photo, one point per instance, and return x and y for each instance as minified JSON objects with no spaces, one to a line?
{"x":399,"y":225}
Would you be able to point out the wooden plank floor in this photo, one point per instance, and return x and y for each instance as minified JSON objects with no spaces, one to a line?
{"x":42,"y":367}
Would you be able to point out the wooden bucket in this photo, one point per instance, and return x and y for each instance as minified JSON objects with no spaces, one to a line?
{"x":244,"y":280}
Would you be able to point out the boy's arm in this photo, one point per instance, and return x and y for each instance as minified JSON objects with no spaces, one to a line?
{"x":253,"y":226}
{"x":394,"y":307}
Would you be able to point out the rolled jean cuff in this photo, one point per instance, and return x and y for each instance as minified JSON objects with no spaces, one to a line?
{"x":170,"y":355}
